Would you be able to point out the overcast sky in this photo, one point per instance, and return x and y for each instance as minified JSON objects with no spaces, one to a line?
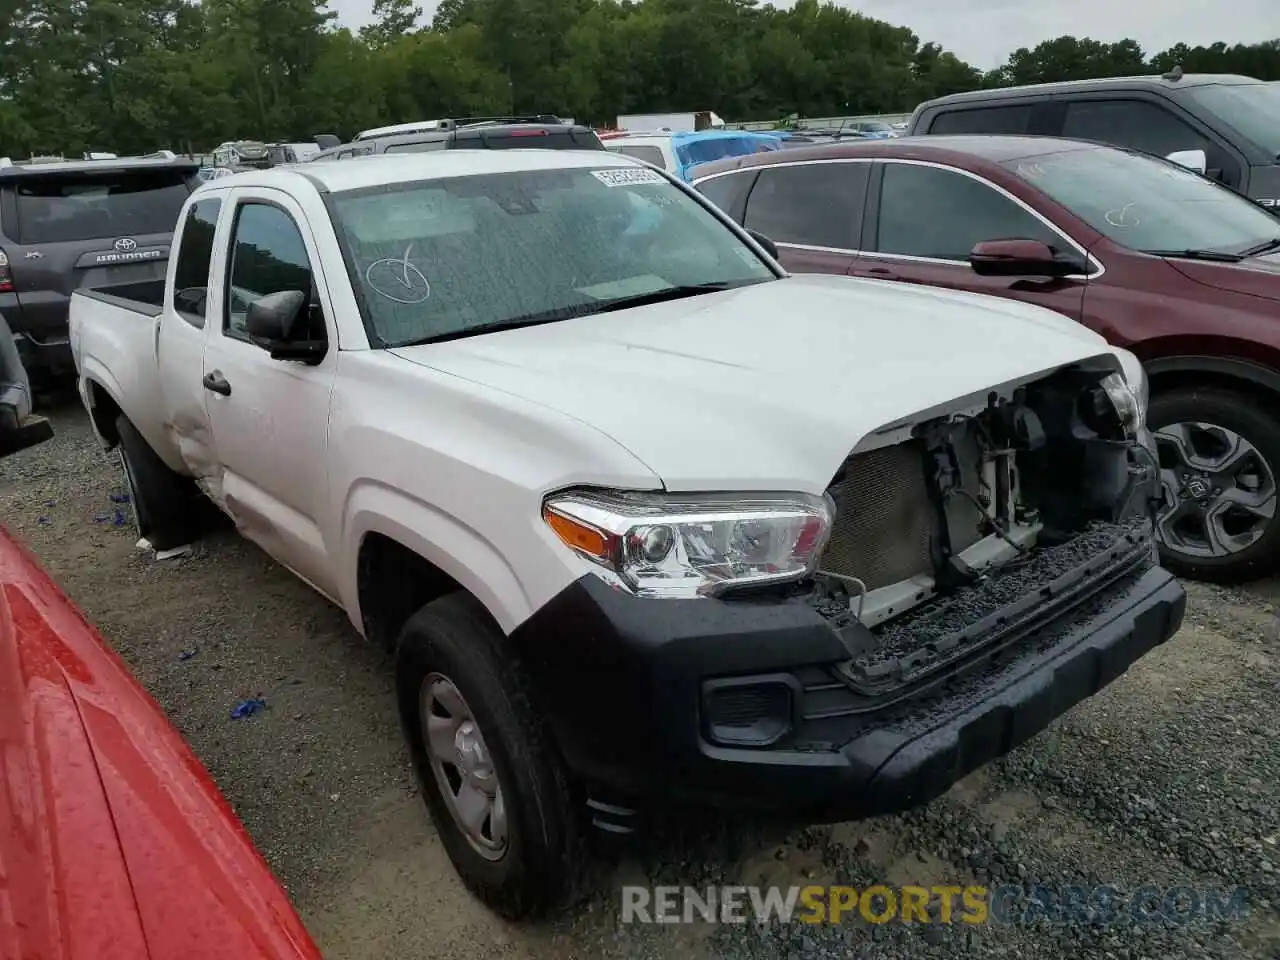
{"x":985,"y":32}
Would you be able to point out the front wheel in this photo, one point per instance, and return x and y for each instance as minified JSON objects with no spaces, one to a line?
{"x":1219,"y":455}
{"x":490,"y":775}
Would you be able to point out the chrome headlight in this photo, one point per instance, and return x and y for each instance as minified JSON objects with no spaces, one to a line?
{"x":1136,"y":377}
{"x":1129,"y":408}
{"x":692,"y":545}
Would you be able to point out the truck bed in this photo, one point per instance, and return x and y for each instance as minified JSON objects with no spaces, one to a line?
{"x":140,"y":296}
{"x":114,"y":331}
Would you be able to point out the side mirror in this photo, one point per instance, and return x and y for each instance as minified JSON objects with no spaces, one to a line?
{"x":272,"y":323}
{"x":1019,"y":258}
{"x":1196,"y":160}
{"x":769,"y":246}
{"x":271,"y":318}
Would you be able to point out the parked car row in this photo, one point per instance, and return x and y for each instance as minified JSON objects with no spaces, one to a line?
{"x":1161,"y":260}
{"x":807,"y":506}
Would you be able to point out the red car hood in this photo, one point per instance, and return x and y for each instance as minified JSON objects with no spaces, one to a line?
{"x":116,"y":844}
{"x":1257,"y":276}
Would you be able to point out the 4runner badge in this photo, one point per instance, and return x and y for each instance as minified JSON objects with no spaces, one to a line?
{"x":126,"y":244}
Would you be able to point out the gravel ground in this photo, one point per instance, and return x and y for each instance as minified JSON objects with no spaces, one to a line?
{"x":1171,"y":777}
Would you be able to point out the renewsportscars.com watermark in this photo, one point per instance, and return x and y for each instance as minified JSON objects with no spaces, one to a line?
{"x":973,"y":905}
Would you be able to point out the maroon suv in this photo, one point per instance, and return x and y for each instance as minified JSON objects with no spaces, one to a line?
{"x":1183,"y":272}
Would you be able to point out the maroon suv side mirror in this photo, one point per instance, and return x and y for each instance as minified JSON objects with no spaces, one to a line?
{"x":1019,"y":258}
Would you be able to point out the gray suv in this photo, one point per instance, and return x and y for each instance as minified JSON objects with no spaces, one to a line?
{"x":69,"y":224}
{"x":1224,"y":126}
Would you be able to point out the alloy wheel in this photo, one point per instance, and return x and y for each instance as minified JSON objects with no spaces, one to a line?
{"x":1219,"y":490}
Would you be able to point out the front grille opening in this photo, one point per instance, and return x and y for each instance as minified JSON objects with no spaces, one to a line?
{"x":883,"y":517}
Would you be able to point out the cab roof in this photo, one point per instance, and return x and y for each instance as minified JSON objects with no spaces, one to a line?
{"x":337,"y":176}
{"x":1102,"y":83}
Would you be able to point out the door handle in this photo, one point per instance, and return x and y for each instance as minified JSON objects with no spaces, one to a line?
{"x":882,"y":272}
{"x":217,"y":383}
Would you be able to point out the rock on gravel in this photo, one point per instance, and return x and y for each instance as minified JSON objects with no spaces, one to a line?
{"x":1170,"y":777}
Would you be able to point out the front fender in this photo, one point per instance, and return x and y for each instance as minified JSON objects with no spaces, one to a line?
{"x":439,"y":538}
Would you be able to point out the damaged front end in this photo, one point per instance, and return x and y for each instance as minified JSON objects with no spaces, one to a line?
{"x":963,"y":533}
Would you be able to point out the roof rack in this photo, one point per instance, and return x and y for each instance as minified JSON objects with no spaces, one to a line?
{"x":446,"y":124}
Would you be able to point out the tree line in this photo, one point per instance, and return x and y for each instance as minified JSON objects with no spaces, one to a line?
{"x":138,"y":75}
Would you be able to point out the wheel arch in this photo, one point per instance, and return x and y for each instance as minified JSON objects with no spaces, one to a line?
{"x":1191,"y":370}
{"x":103,"y":409}
{"x":405,"y":554}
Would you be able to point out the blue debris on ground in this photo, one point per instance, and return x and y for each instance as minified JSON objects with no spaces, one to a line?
{"x":247,"y":708}
{"x":187,"y":654}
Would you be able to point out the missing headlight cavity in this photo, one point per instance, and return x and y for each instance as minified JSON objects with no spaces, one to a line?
{"x":982,"y":487}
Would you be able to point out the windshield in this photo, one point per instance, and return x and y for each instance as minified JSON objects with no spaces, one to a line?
{"x":1148,"y":204}
{"x":437,"y":258}
{"x":1251,"y":109}
{"x":717,"y":148}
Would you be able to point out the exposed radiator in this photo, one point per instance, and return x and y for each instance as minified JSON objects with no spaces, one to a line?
{"x":883,"y":515}
{"x":882,"y":525}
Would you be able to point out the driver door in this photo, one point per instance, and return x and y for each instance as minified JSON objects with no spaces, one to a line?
{"x":270,"y":417}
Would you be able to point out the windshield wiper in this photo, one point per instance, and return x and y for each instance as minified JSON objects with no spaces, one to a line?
{"x":512,"y":323}
{"x":579,"y":310}
{"x":670,"y":293}
{"x":1266,"y":246}
{"x":1216,"y":256}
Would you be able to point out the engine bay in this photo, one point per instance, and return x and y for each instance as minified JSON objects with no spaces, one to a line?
{"x":949,"y":505}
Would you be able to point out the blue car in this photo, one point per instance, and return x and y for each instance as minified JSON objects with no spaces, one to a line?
{"x":680,"y":153}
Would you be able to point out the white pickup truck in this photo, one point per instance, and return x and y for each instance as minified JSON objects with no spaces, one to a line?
{"x":645,"y":519}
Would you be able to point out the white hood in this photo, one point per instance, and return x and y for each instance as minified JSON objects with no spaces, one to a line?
{"x":768,"y":387}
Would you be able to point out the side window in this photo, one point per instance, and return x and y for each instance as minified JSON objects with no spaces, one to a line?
{"x":941,"y":214}
{"x":195,"y":251}
{"x":724,"y":190}
{"x":1013,"y":120}
{"x":648,"y":154}
{"x":267,"y":256}
{"x":816,"y":204}
{"x":1130,"y":123}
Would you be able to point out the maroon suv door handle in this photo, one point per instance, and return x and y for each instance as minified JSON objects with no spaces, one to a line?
{"x":881,"y":272}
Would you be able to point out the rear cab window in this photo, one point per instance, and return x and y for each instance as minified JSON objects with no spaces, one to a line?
{"x":520,"y":137}
{"x":68,"y":207}
{"x":1012,"y":119}
{"x":194,"y":256}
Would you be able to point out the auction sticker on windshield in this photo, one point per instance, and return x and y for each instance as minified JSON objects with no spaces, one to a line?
{"x":627,"y":176}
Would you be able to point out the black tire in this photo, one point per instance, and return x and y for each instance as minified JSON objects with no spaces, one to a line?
{"x":163,"y":502}
{"x":1257,"y":423}
{"x":453,"y":637}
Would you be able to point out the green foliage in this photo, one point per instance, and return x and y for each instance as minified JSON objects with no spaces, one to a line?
{"x":136,"y":75}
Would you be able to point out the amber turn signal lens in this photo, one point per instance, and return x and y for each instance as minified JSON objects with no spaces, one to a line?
{"x":578,"y":536}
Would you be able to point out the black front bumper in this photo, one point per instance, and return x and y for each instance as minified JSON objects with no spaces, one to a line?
{"x":625,"y":683}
